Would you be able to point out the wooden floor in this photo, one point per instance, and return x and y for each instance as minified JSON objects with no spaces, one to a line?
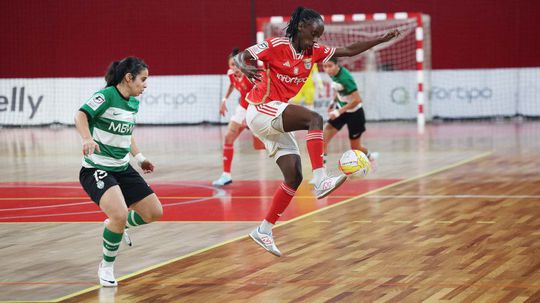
{"x":463,"y":225}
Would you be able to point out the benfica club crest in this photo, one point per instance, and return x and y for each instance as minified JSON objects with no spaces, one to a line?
{"x":307,"y":63}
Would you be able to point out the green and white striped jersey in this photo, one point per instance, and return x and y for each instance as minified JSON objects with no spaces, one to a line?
{"x":345,"y":85}
{"x":111,"y":119}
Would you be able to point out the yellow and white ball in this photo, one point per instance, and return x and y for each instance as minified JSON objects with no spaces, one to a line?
{"x":354,"y":163}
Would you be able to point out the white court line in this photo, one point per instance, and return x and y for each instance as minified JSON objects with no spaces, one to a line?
{"x":218,"y":193}
{"x":455,"y":197}
{"x":38,"y":186}
{"x":47,"y":206}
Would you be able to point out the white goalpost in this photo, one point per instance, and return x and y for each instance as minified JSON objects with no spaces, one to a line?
{"x":393,"y":76}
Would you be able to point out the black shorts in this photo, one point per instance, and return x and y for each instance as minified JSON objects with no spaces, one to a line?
{"x":356,"y":123}
{"x":96,"y":182}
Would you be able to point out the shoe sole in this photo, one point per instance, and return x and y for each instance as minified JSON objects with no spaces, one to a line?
{"x":107,"y":284}
{"x":338,"y":184}
{"x":262,"y":245}
{"x":219,"y":185}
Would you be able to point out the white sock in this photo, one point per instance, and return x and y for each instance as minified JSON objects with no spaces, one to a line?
{"x":106,"y":264}
{"x":266,"y":227}
{"x":228,"y":175}
{"x":319,"y":174}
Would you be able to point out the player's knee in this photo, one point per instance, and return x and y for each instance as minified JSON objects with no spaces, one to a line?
{"x":316,"y":121}
{"x":153,"y":215}
{"x":157,"y":213}
{"x":118,"y":218}
{"x":295,"y":180}
{"x":230,"y":136}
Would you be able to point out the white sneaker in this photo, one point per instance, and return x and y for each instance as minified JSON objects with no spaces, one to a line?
{"x":328,"y":185}
{"x":373,"y":156}
{"x":266,"y":241}
{"x":127,"y":238}
{"x":312,"y":181}
{"x":106,"y":276}
{"x":222,"y":181}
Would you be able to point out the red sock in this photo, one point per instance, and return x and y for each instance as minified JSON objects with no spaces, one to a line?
{"x":228,"y":152}
{"x":315,"y":147}
{"x":280,"y":201}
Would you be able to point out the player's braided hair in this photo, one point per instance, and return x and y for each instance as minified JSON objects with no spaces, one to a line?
{"x":300,"y":14}
{"x":118,"y":69}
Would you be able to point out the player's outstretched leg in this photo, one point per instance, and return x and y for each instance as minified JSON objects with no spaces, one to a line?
{"x":291,"y":167}
{"x":324,"y":184}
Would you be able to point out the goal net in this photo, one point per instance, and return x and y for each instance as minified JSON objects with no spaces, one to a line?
{"x":391,"y":77}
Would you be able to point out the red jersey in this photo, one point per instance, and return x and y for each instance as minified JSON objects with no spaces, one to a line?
{"x":242,"y":84}
{"x":286,"y":70}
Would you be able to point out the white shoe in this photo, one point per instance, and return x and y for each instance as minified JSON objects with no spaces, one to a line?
{"x":312,"y":181}
{"x":222,"y":181}
{"x":328,"y":185}
{"x":127,"y":238}
{"x":373,"y":156}
{"x":106,"y":276}
{"x":266,"y":241}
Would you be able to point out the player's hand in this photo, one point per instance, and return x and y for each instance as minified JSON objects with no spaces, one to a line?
{"x":331,"y":107}
{"x":147,"y":166}
{"x":253,"y":73}
{"x":89,"y":146}
{"x":390,"y":35}
{"x":223,"y":107}
{"x":333,"y":114}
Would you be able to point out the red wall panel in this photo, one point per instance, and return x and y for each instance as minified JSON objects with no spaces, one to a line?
{"x":76,"y":38}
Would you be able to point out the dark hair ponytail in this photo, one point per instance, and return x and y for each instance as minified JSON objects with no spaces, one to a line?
{"x":118,"y":69}
{"x":300,"y":14}
{"x":234,"y":52}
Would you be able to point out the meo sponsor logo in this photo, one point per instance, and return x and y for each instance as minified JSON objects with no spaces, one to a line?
{"x":289,"y":79}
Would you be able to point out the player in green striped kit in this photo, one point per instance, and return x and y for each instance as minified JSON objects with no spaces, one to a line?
{"x":105,"y":123}
{"x":346,"y":109}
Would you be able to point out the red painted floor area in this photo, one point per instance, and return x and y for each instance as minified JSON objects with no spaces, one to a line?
{"x":182,"y":201}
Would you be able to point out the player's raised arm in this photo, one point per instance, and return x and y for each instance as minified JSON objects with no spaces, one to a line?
{"x":360,"y":47}
{"x":252,"y":72}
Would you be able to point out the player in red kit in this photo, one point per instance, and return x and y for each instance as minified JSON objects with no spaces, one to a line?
{"x":287,"y":64}
{"x":237,"y":123}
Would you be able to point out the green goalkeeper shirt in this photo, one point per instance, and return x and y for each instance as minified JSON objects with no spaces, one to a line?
{"x":111,"y":118}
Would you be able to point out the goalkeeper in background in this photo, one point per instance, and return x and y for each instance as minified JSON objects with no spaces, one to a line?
{"x":306,"y":95}
{"x":346,"y":109}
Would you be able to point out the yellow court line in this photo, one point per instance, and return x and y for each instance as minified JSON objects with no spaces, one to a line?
{"x":157,"y":222}
{"x":163,"y":198}
{"x":279,"y":225}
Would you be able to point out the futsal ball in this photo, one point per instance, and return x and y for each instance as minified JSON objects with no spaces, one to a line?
{"x":354,"y":163}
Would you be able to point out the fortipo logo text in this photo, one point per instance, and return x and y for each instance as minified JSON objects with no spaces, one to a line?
{"x":400,"y":95}
{"x":461,"y":93}
{"x":176,"y":100}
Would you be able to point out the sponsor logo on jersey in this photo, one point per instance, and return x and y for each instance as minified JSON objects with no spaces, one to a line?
{"x":289,"y":79}
{"x":123,"y":128}
{"x":287,"y":64}
{"x":96,"y":101}
{"x":307,"y":63}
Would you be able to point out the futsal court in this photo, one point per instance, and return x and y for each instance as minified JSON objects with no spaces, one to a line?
{"x":450,"y":215}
